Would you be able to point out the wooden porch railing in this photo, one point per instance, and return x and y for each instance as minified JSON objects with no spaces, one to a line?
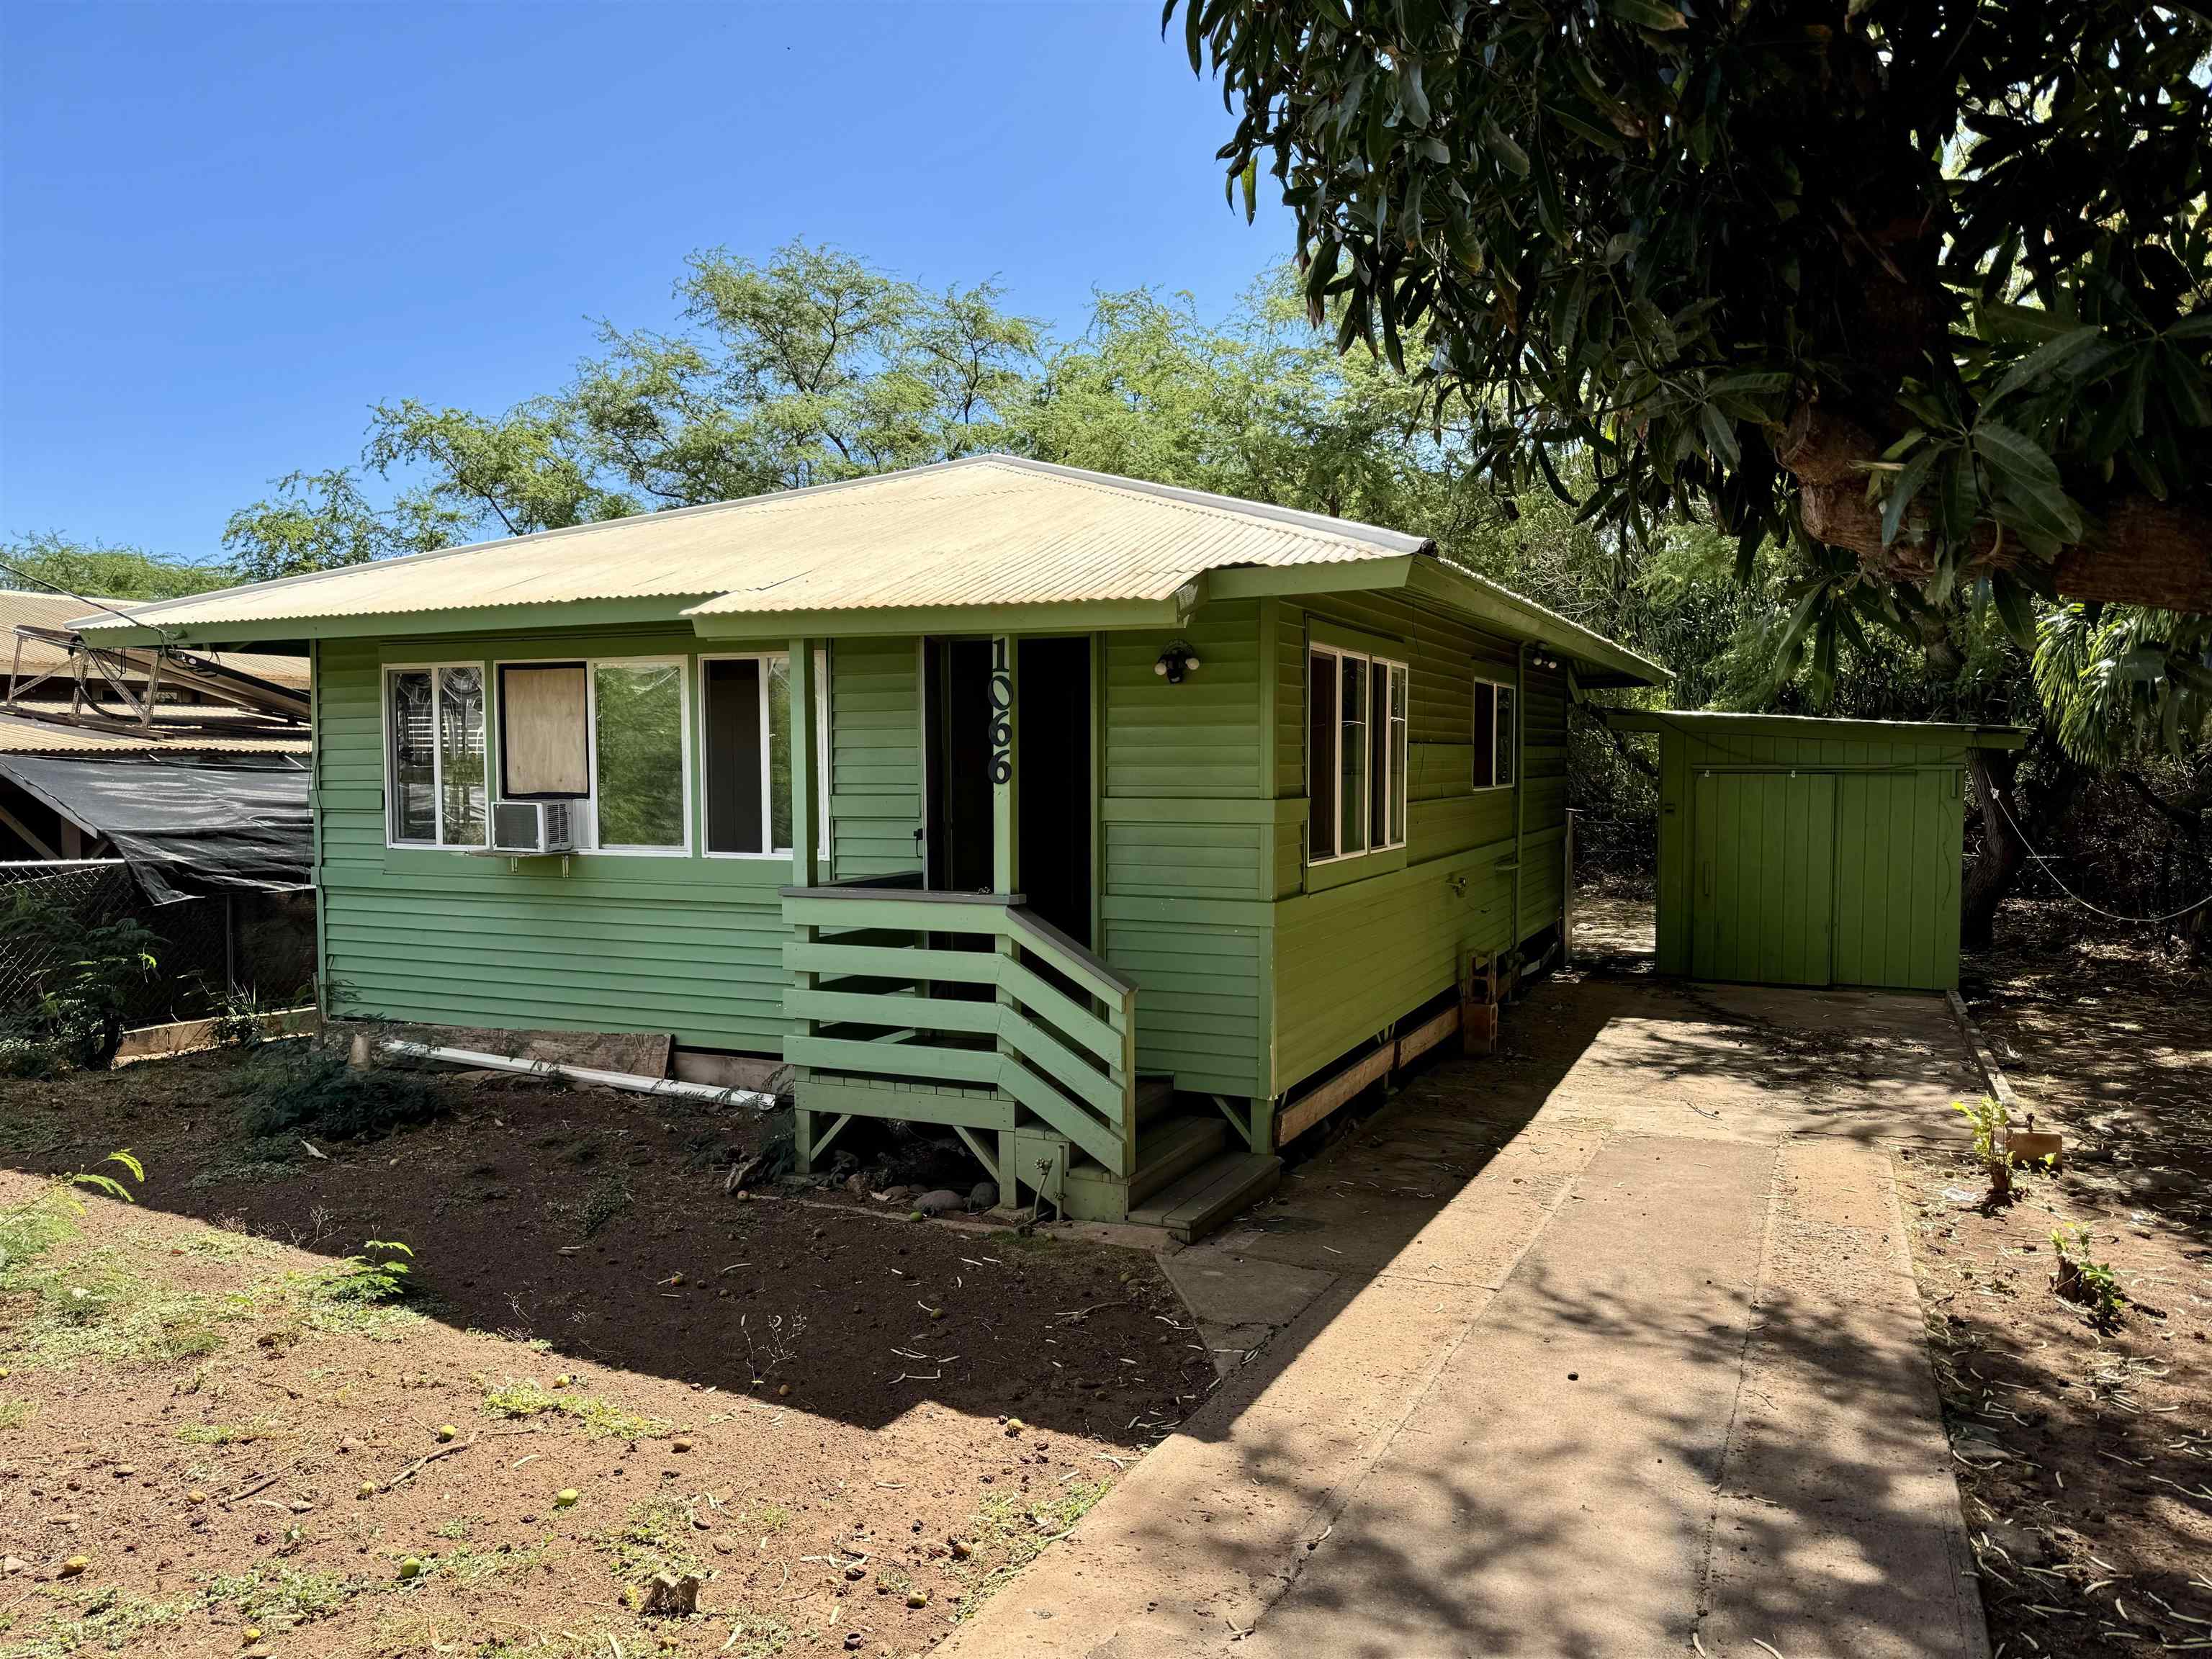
{"x":966,"y":988}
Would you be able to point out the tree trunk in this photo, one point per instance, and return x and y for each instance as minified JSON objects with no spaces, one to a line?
{"x":1996,"y":869}
{"x":2006,"y":813}
{"x":2137,"y":550}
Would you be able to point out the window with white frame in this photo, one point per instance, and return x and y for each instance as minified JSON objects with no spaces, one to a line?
{"x":747,"y":704}
{"x":612,"y":735}
{"x":437,"y":787}
{"x":1356,"y":753}
{"x":641,"y":798}
{"x":1496,"y":735}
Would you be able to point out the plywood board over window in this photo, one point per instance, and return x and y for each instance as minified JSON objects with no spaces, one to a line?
{"x":544,"y":731}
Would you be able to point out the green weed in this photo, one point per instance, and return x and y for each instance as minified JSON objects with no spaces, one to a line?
{"x":278,"y":1594}
{"x":606,"y":1198}
{"x":524,"y":1398}
{"x":655,"y":1536}
{"x":2082,"y":1278}
{"x":1009,"y":1532}
{"x":102,"y":1620}
{"x":14,"y":1414}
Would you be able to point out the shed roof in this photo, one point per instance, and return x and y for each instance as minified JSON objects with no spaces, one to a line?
{"x":1719,"y":723}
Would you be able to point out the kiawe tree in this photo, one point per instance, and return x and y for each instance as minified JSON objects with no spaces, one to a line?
{"x":1921,"y":285}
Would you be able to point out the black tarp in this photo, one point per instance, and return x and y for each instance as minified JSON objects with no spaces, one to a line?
{"x":185,"y":825}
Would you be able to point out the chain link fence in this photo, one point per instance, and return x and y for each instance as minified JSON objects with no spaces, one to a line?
{"x":256,"y":944}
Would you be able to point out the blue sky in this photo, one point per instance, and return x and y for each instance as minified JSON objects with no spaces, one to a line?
{"x":226,"y":229}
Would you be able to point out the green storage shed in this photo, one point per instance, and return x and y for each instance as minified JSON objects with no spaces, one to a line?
{"x":1796,"y":851}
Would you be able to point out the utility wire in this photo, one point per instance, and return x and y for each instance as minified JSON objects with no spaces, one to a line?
{"x":1997,"y":795}
{"x":23,"y":575}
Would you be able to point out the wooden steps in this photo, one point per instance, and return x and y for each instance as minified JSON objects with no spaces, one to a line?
{"x":1155,"y":1095}
{"x":1169,"y":1150}
{"x":1210,"y":1193}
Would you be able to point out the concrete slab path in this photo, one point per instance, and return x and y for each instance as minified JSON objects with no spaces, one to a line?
{"x":1607,"y":1345}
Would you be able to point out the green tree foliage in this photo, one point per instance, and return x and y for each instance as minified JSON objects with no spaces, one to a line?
{"x":1921,"y":282}
{"x":50,"y":559}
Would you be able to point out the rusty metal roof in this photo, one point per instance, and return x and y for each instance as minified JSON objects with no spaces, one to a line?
{"x":985,"y":530}
{"x":192,"y":729}
{"x":59,"y":611}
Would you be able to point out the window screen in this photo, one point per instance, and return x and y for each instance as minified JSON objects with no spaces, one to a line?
{"x":411,"y":774}
{"x":435,"y":792}
{"x":1321,"y":756}
{"x":544,"y":741}
{"x":1352,"y":819}
{"x":638,"y":741}
{"x":734,"y":771}
{"x":1484,"y":735}
{"x":1507,"y":746}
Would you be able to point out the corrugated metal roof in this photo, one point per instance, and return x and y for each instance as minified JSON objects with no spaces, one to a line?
{"x":59,"y":611}
{"x":986,"y":530}
{"x":213,"y":730}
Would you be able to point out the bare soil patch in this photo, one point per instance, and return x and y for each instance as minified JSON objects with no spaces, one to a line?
{"x":2083,"y":1447}
{"x":802,"y":1400}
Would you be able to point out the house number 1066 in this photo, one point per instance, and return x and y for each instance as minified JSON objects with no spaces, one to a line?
{"x":1002,"y":715}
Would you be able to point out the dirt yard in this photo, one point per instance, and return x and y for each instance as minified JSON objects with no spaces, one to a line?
{"x":220,"y":1433}
{"x":2083,"y":1447}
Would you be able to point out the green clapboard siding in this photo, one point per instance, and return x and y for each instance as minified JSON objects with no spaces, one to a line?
{"x":1811,"y":860}
{"x":1359,"y":945}
{"x":692,"y":945}
{"x":875,"y":756}
{"x":1187,"y":835}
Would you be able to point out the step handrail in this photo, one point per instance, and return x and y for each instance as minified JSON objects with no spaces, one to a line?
{"x":1036,"y":1024}
{"x":1039,"y":936}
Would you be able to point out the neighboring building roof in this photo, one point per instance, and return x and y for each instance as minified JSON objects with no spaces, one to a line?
{"x":1714,"y":724}
{"x":901,"y":549}
{"x":205,"y":728}
{"x":59,"y":611}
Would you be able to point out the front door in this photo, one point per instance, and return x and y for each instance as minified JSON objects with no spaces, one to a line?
{"x":1764,"y":900}
{"x":1049,"y":774}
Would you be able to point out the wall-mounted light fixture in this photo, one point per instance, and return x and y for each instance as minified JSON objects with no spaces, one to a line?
{"x":1177,"y":661}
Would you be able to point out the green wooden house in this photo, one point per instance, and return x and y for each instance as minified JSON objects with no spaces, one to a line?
{"x":1099,"y":821}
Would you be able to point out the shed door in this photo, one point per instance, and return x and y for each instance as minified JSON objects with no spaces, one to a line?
{"x":1897,"y":879}
{"x":1764,"y":897}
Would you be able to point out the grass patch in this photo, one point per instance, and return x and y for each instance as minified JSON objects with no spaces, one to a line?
{"x":755,"y":1635}
{"x":15,"y":1412}
{"x":357,"y":1297}
{"x":103,"y":1620}
{"x":227,"y":1434}
{"x":1009,"y":1532}
{"x":524,"y":1398}
{"x":655,"y":1536}
{"x":466,"y":1568}
{"x":280,"y":1593}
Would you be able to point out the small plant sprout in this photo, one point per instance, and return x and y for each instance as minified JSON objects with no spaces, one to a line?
{"x":1990,"y":1121}
{"x":2082,"y":1278}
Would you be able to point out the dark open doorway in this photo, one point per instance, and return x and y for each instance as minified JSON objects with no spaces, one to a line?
{"x":957,"y":675}
{"x":1055,"y":786}
{"x":1052,"y":784}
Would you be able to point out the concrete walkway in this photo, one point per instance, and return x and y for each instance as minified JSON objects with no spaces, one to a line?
{"x":1605,"y":1346}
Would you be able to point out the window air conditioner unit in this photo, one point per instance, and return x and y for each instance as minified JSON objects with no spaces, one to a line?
{"x":533,"y":826}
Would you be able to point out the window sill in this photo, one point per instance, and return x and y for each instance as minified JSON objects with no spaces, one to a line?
{"x":1356,"y":867}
